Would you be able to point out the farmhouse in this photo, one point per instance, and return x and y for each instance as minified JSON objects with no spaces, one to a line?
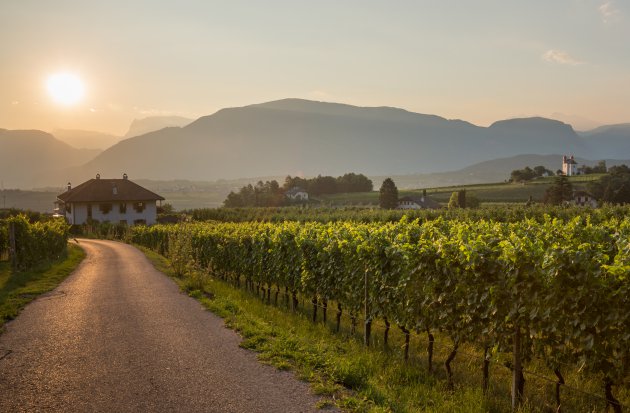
{"x":412,"y":202}
{"x":297,"y":194}
{"x":583,"y":198}
{"x":109,"y":200}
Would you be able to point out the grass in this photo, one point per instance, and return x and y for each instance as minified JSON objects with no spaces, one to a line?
{"x":354,"y":378}
{"x":19,"y":289}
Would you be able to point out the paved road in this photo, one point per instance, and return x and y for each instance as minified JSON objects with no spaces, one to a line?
{"x":118,"y":336}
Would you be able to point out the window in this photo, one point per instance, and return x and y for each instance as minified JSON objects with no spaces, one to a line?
{"x":69,"y":208}
{"x":89,"y":211}
{"x":122,"y":208}
{"x":139,"y":206}
{"x":105,"y":208}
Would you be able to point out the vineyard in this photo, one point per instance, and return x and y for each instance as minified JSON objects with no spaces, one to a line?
{"x":366,"y":215}
{"x":33,"y":242}
{"x":549,"y":287}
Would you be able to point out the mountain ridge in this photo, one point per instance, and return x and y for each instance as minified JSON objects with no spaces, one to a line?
{"x":303,"y":137}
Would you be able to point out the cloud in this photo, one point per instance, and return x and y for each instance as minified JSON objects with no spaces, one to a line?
{"x":560,"y":57}
{"x":608,"y":11}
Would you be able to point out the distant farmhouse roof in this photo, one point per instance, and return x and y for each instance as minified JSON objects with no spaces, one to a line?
{"x":423,"y":202}
{"x":100,"y":190}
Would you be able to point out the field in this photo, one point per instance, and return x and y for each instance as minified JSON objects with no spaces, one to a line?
{"x":491,"y":193}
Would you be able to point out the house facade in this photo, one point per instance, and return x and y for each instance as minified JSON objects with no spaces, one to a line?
{"x":297,"y":194}
{"x":109,"y":200}
{"x":583,"y":198}
{"x":423,"y":202}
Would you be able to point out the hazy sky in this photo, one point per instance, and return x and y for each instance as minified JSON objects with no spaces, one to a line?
{"x":479,"y":61}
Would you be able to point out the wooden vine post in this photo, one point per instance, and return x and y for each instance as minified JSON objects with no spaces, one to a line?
{"x":368,"y":321}
{"x":517,"y":372}
{"x":12,"y":246}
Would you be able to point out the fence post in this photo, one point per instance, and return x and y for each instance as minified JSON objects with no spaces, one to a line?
{"x":12,"y":246}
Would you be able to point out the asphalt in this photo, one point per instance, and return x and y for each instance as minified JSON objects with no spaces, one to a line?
{"x":119,"y":336}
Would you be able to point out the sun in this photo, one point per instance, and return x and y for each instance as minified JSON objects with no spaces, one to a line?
{"x":65,"y":88}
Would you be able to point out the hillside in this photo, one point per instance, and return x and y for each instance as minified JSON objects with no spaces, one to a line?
{"x":27,"y":157}
{"x":307,"y":138}
{"x":83,"y":139}
{"x":295,"y":136}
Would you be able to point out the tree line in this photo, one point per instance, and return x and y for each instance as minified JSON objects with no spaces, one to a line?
{"x":271,"y":194}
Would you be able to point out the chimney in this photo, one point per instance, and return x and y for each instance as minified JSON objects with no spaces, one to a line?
{"x":98,"y":176}
{"x":125,"y":176}
{"x":69,"y":186}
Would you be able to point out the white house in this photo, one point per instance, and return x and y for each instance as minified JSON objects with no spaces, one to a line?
{"x":109,"y":200}
{"x":412,"y":202}
{"x":297,"y":194}
{"x":569,"y":165}
{"x":583,"y":198}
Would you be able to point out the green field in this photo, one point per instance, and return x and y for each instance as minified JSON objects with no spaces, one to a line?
{"x":492,"y":193}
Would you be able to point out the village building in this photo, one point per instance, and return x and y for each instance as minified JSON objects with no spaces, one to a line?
{"x":418,"y":202}
{"x":583,"y":198}
{"x":297,"y":194}
{"x":569,"y":166}
{"x":109,"y":200}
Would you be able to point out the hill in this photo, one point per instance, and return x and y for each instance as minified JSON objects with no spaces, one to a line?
{"x":27,"y":156}
{"x":295,"y":136}
{"x":307,"y":138}
{"x":83,"y":139}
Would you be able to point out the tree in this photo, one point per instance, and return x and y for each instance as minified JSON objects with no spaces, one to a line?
{"x":454,"y":201}
{"x":561,"y":191}
{"x":388,"y":194}
{"x":165,"y":209}
{"x":461,"y":199}
{"x":613,"y":188}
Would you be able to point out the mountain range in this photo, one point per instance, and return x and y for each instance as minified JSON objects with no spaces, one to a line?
{"x":301,"y":137}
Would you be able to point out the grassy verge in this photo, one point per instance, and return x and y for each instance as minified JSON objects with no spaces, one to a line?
{"x":354,"y":378}
{"x":19,"y":289}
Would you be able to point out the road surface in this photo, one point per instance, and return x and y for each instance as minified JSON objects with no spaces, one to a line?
{"x":119,"y":336}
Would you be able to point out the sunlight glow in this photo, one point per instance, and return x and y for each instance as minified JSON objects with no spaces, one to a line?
{"x":65,"y":88}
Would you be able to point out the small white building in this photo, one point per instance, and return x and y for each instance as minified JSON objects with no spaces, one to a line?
{"x":109,"y":200}
{"x":297,"y":194}
{"x":412,"y":202}
{"x":569,"y":166}
{"x":583,"y":198}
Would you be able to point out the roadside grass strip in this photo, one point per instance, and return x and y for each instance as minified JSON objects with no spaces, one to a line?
{"x":20,"y":288}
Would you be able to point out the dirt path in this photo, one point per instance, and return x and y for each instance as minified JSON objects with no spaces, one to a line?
{"x":118,"y":336}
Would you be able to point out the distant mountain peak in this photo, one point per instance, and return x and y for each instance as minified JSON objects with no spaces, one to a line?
{"x":153,"y":123}
{"x":535,"y":121}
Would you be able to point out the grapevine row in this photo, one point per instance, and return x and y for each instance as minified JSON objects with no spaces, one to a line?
{"x":558,"y":290}
{"x":34,"y":242}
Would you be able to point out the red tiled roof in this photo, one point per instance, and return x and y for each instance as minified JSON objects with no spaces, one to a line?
{"x":101,"y":190}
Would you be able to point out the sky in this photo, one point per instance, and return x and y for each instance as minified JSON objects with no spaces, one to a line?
{"x":480,"y":61}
